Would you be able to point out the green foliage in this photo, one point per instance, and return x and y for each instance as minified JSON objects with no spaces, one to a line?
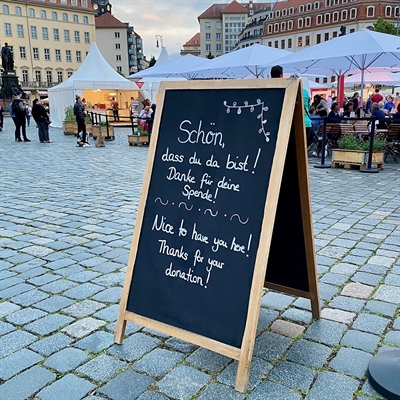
{"x":121,"y":73}
{"x":383,"y":26}
{"x":210,"y":56}
{"x":69,"y":114}
{"x":141,"y":132}
{"x":152,"y":61}
{"x":350,"y":142}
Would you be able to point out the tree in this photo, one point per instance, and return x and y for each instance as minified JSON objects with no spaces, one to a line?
{"x":210,"y":56}
{"x":383,"y":26}
{"x":152,"y":61}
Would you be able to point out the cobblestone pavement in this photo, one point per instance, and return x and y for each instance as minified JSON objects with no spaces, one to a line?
{"x":66,"y":221}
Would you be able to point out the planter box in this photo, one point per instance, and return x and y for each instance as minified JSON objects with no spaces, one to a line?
{"x":137,"y":140}
{"x":356,"y":158}
{"x":71,"y":128}
{"x":98,"y":130}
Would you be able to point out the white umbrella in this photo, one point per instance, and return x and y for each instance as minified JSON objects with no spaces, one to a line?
{"x":383,"y":78}
{"x":176,"y":67}
{"x":240,"y":63}
{"x":361,"y":50}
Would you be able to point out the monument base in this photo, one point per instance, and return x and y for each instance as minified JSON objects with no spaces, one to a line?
{"x":9,"y":84}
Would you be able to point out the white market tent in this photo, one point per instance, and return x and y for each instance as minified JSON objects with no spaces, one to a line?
{"x":94,"y":73}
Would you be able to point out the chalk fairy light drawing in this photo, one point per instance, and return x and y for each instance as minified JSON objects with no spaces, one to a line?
{"x":252,"y":108}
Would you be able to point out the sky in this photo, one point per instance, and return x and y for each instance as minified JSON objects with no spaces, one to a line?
{"x":174,"y":20}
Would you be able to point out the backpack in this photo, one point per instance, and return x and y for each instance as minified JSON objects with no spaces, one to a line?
{"x":15,"y":108}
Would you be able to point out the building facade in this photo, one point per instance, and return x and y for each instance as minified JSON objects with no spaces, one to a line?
{"x":221,"y":25}
{"x":49,"y":39}
{"x":192,"y":46}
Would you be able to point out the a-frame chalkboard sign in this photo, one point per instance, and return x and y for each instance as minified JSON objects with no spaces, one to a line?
{"x":225,"y":210}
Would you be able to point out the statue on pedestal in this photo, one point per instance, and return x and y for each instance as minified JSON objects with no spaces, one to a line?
{"x":7,"y":58}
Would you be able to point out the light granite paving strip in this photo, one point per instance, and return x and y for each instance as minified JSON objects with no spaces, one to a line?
{"x":63,"y":255}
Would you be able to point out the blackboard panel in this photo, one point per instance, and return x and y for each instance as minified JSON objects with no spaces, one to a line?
{"x":287,"y":263}
{"x":237,"y":130}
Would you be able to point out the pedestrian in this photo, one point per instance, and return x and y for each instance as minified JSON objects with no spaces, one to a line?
{"x":42,"y":120}
{"x":18,"y":109}
{"x":80,"y":114}
{"x":115,"y":108}
{"x":1,"y":117}
{"x":276,"y":71}
{"x":28,"y":114}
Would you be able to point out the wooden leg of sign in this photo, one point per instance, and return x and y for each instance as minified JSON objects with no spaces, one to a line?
{"x":304,"y":185}
{"x":120,"y":329}
{"x":243,"y":371}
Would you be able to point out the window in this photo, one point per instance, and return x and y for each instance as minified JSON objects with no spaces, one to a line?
{"x":336,"y":2}
{"x":300,"y":22}
{"x":68,"y":55}
{"x":388,"y":11}
{"x":85,"y":20}
{"x":208,"y":25}
{"x":45,"y":33}
{"x":24,"y":76}
{"x":43,"y":14}
{"x":75,"y":18}
{"x":208,"y":47}
{"x":396,"y":11}
{"x":74,"y":3}
{"x":316,"y":5}
{"x":208,"y":36}
{"x":59,"y":76}
{"x":117,"y":46}
{"x":307,"y":21}
{"x":277,"y":14}
{"x":335,"y":17}
{"x":219,"y":47}
{"x":38,"y":77}
{"x":78,"y":56}
{"x":66,"y":35}
{"x":77,"y":37}
{"x":325,"y":80}
{"x":6,"y":10}
{"x":370,"y":11}
{"x":353,"y":13}
{"x":291,"y":10}
{"x":290,"y":25}
{"x":56,"y":34}
{"x":282,"y":43}
{"x":116,"y":35}
{"x":301,"y":8}
{"x":118,"y":57}
{"x":84,"y":3}
{"x":69,"y":74}
{"x":299,"y":41}
{"x":119,"y":68}
{"x":32,"y":13}
{"x":276,"y":27}
{"x":47,"y":54}
{"x":307,"y":40}
{"x":218,"y":36}
{"x":334,"y":34}
{"x":20,"y":30}
{"x":218,"y":25}
{"x":49,"y":77}
{"x":54,"y":16}
{"x":270,"y":28}
{"x":284,"y":12}
{"x":269,"y":44}
{"x":283,"y":26}
{"x":327,"y":18}
{"x":7,"y":28}
{"x":276,"y":44}
{"x":22,"y":52}
{"x":18,"y":11}
{"x":289,"y":43}
{"x":58,"y":55}
{"x":344,"y":15}
{"x":33,"y":32}
{"x":318,"y":38}
{"x":328,"y":3}
{"x":35,"y":53}
{"x":326,"y":37}
{"x":309,"y":7}
{"x":352,"y":30}
{"x":319,"y":19}
{"x":65,"y":17}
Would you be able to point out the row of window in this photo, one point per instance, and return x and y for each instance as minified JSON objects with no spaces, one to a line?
{"x":36,"y":55}
{"x":218,"y":47}
{"x":49,"y":76}
{"x":218,"y":25}
{"x":391,"y":11}
{"x":43,"y":14}
{"x":218,"y":36}
{"x":320,"y":19}
{"x":45,"y":33}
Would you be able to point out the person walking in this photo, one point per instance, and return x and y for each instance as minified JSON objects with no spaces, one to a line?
{"x":80,"y":114}
{"x":28,"y":114}
{"x":42,"y":120}
{"x":115,"y":108}
{"x":18,"y":108}
{"x":1,"y":118}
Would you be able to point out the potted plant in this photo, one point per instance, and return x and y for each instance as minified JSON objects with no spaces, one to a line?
{"x":353,"y":152}
{"x":140,"y":137}
{"x":101,"y":129}
{"x":70,"y":126}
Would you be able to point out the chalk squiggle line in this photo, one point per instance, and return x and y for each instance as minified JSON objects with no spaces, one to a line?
{"x":159,"y":198}
{"x":182,"y":202}
{"x":238,"y":216}
{"x":210,"y":211}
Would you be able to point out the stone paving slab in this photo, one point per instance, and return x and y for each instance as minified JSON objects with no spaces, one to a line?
{"x":63,"y":253}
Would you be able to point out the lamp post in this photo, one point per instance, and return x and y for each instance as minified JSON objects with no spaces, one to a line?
{"x":159,"y":38}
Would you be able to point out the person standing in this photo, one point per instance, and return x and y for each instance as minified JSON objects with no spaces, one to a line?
{"x":28,"y":114}
{"x":376,"y":97}
{"x":1,"y":118}
{"x":18,"y":108}
{"x":80,"y":114}
{"x":42,"y":120}
{"x":115,"y":108}
{"x":276,"y":71}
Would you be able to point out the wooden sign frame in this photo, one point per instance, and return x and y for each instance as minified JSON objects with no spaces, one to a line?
{"x":291,"y":123}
